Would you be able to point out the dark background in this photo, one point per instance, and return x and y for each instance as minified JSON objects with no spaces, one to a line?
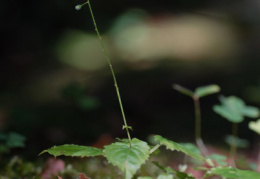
{"x":53,"y":102}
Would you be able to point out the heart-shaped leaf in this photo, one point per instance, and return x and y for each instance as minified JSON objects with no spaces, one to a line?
{"x":206,"y":90}
{"x":255,"y":126}
{"x":229,"y":172}
{"x":73,"y":151}
{"x":178,"y":147}
{"x":127,"y":158}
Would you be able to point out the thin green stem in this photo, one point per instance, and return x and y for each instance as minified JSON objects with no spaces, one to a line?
{"x":233,"y":148}
{"x":154,"y":148}
{"x":113,"y":74}
{"x":198,"y":126}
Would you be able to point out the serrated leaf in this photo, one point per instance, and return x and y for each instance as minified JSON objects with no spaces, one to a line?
{"x":234,"y":109}
{"x":127,"y":159}
{"x":183,"y":90}
{"x":255,"y":126}
{"x":206,"y":90}
{"x":229,"y":172}
{"x":178,"y":147}
{"x":73,"y":151}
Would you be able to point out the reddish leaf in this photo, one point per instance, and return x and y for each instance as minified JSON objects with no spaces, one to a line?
{"x":82,"y":176}
{"x":59,"y":177}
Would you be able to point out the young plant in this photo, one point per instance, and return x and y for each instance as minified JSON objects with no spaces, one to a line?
{"x":234,"y":110}
{"x":196,"y":95}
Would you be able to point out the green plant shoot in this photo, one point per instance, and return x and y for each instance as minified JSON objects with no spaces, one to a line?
{"x":196,"y":95}
{"x":234,"y":110}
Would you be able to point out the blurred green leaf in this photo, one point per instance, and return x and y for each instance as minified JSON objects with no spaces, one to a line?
{"x":15,"y":140}
{"x":177,"y":174}
{"x":127,"y":159}
{"x":229,"y":172}
{"x":191,"y":147}
{"x":206,"y":90}
{"x":183,"y":90}
{"x":219,"y":159}
{"x":178,"y":147}
{"x":255,"y":126}
{"x":73,"y":151}
{"x":165,"y":176}
{"x":234,"y":109}
{"x":240,"y":143}
{"x":251,"y":111}
{"x":88,"y":103}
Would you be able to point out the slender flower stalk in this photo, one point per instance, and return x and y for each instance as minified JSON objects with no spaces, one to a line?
{"x":125,"y":126}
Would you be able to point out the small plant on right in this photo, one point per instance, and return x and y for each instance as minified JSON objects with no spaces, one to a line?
{"x":234,"y":110}
{"x":196,"y":95}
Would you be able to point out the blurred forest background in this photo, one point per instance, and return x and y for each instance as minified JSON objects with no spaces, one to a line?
{"x":56,"y":86}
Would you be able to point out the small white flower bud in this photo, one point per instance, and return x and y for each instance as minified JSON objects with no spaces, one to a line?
{"x":78,"y":7}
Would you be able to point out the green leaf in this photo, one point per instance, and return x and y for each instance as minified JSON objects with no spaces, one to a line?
{"x":165,"y":176}
{"x":178,"y":147}
{"x":183,"y":90}
{"x":15,"y":140}
{"x":127,"y":159}
{"x":207,"y":90}
{"x":168,"y":170}
{"x":219,"y":159}
{"x":240,"y":143}
{"x":191,"y":147}
{"x":73,"y":151}
{"x":234,"y":109}
{"x":229,"y":172}
{"x":251,"y":111}
{"x":145,"y":177}
{"x":255,"y":126}
{"x":227,"y":114}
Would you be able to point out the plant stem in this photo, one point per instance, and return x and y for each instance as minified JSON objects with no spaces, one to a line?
{"x":154,"y":148}
{"x":113,"y":74}
{"x":198,"y":126}
{"x":233,"y":149}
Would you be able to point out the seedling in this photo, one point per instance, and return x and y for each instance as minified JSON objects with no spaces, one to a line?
{"x":234,"y":110}
{"x":196,"y":95}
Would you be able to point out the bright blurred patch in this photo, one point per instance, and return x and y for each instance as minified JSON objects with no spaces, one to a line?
{"x":81,"y":50}
{"x":187,"y":37}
